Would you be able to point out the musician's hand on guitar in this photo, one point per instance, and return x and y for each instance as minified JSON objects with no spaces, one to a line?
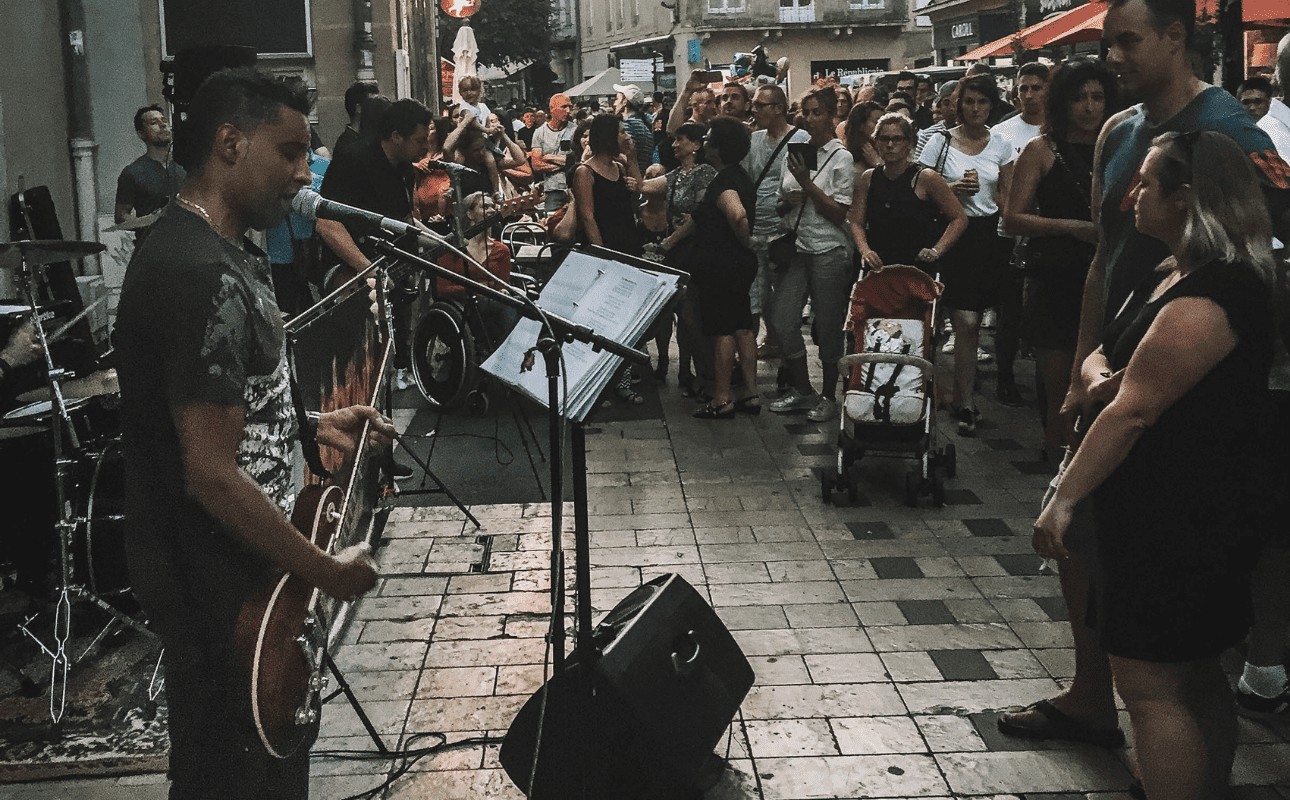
{"x":341,"y":428}
{"x":352,"y":573}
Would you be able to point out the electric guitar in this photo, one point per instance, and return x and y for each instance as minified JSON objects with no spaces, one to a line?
{"x":282,"y":634}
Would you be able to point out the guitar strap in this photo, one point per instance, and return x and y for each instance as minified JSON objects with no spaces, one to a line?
{"x":308,"y":425}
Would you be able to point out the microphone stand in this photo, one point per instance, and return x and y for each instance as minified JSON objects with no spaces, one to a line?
{"x":556,"y":331}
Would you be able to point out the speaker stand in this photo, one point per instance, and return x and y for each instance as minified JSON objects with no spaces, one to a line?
{"x":344,"y":688}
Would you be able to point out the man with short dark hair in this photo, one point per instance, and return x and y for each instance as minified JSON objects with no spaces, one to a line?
{"x":209,"y":431}
{"x":354,"y":97}
{"x":1256,"y":95}
{"x":735,"y":103}
{"x":1148,"y":43}
{"x":378,"y":176}
{"x":148,"y":182}
{"x":1032,"y":90}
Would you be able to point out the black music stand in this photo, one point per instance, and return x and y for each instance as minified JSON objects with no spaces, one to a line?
{"x":556,"y":331}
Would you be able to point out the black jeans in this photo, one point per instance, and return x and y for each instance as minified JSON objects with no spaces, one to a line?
{"x":215,"y":753}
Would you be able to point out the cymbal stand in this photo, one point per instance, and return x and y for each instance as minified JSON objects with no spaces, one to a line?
{"x":69,"y":590}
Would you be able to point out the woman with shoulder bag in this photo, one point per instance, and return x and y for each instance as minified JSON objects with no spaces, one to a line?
{"x":820,"y":264}
{"x":1050,"y":202}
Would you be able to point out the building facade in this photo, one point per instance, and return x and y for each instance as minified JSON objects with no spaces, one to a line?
{"x":819,"y":37}
{"x":122,"y":44}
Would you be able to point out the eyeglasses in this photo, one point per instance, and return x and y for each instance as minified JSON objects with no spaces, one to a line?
{"x":890,"y":139}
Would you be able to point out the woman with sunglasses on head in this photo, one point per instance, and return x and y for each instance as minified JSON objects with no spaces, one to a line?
{"x":894,"y":216}
{"x":1050,"y":202}
{"x":1178,"y":462}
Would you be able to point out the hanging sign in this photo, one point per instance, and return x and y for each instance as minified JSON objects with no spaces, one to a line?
{"x":459,"y":8}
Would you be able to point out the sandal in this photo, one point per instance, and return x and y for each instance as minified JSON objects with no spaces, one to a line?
{"x":1058,"y":725}
{"x":723,"y":411}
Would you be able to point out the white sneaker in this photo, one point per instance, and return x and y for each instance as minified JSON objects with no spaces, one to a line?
{"x":794,"y":400}
{"x":402,"y":379}
{"x":948,"y":349}
{"x":983,"y":356}
{"x":823,"y":411}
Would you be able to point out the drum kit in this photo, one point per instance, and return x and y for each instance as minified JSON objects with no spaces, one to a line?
{"x":78,"y":414}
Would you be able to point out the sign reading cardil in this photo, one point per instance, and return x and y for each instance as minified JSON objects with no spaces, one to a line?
{"x":962,"y":30}
{"x":459,"y":8}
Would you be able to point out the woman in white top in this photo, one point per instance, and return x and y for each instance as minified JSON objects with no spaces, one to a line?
{"x":978,"y":167}
{"x":815,"y":203}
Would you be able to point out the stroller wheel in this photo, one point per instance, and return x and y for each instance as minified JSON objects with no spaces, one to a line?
{"x":951,"y":461}
{"x":853,"y":486}
{"x":938,"y":486}
{"x":913,"y":488}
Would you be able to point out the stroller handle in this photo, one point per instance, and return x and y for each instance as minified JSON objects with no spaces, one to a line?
{"x":847,"y":362}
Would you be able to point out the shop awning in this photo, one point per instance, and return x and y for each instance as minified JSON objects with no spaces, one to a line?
{"x":1080,"y":24}
{"x":501,"y":73}
{"x":602,"y":84}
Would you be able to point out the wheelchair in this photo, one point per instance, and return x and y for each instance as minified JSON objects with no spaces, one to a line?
{"x":454,"y":335}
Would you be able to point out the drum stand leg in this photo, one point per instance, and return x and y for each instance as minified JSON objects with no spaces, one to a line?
{"x":56,"y":649}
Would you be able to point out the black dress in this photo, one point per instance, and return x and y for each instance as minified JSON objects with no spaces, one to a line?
{"x":614,"y":208}
{"x":1057,"y":265}
{"x":897,"y":223}
{"x":1180,"y":521}
{"x":722,"y":269}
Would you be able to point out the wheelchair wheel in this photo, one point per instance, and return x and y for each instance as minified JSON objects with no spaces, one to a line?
{"x":444,"y":361}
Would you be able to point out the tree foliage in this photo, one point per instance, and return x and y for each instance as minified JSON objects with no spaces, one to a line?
{"x":507,"y":31}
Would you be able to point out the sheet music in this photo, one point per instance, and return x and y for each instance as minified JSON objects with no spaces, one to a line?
{"x":614,"y":300}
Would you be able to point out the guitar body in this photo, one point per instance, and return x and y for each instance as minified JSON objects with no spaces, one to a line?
{"x":281,"y":638}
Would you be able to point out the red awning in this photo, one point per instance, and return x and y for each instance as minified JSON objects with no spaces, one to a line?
{"x":1080,"y":24}
{"x":1260,"y":10}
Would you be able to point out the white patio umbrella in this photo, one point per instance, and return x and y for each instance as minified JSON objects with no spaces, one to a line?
{"x":465,"y":54}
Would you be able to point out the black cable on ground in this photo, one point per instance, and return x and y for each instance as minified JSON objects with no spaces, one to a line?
{"x":407,"y":756}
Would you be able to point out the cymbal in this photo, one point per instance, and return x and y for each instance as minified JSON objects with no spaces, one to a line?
{"x":45,"y":251}
{"x":9,"y":309}
{"x":96,"y":384}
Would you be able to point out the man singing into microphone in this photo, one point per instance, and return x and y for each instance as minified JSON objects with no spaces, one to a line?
{"x":378,"y":176}
{"x":209,"y":431}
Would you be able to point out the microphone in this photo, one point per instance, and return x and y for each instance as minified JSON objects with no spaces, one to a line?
{"x":450,"y":167}
{"x":313,"y":206}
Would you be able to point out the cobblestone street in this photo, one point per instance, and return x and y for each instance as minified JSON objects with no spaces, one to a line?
{"x":883,"y":638}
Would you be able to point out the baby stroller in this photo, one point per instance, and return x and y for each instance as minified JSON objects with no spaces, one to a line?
{"x":890,"y":405}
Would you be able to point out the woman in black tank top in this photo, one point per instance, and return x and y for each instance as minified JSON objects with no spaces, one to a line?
{"x":1050,"y":203}
{"x":903,"y":213}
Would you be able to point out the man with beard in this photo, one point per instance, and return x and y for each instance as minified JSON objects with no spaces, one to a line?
{"x":209,"y":431}
{"x":150,"y":180}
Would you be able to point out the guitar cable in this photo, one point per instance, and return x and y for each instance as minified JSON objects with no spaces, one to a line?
{"x":407,"y":756}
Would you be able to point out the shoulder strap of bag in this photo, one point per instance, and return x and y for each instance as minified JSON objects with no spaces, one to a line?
{"x":944,"y":154}
{"x":774,"y":154}
{"x":1057,"y":155}
{"x":820,"y":169}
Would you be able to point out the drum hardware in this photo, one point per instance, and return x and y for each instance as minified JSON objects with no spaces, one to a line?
{"x":26,"y":257}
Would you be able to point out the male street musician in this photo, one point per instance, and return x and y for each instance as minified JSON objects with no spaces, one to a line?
{"x":208,"y":430}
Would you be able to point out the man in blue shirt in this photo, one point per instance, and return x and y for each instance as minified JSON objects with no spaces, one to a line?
{"x":293,"y":251}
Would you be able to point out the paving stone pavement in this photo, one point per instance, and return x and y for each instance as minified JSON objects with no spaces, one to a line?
{"x":884,"y":638}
